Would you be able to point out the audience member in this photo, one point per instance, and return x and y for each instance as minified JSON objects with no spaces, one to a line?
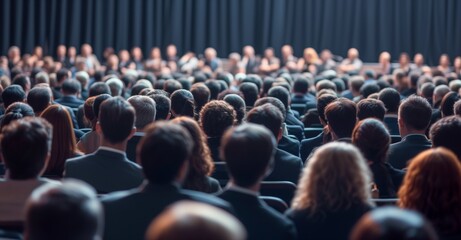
{"x":145,"y":111}
{"x":39,"y":99}
{"x":16,"y":111}
{"x":70,"y":90}
{"x":12,"y":94}
{"x":391,"y":99}
{"x":445,"y":132}
{"x":239,"y":106}
{"x":162,"y":107}
{"x":370,"y":108}
{"x":182,"y":104}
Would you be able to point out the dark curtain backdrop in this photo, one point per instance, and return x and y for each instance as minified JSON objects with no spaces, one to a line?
{"x":431,"y":27}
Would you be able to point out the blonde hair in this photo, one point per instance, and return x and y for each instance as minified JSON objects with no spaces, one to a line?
{"x":310,"y":52}
{"x":336,"y":177}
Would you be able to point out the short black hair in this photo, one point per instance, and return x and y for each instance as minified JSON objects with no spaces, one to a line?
{"x":238,"y":104}
{"x":281,"y":94}
{"x":391,"y":99}
{"x":182,"y":103}
{"x":274,"y":101}
{"x":39,"y":98}
{"x":415,"y":112}
{"x":22,"y":80}
{"x":446,"y":133}
{"x":216,"y":117}
{"x":33,"y":134}
{"x":268,"y":116}
{"x":116,"y":118}
{"x":171,"y":85}
{"x":163,"y":151}
{"x":62,"y":75}
{"x":215,"y":88}
{"x":322,"y":103}
{"x":13,"y":93}
{"x":201,"y":95}
{"x":341,"y":116}
{"x":301,"y":85}
{"x":248,"y":151}
{"x":368,"y":89}
{"x":250,"y":93}
{"x":99,"y":88}
{"x":448,"y":101}
{"x":70,"y":86}
{"x":370,"y":108}
{"x":162,"y":106}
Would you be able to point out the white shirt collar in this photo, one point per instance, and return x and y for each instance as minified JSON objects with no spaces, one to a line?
{"x":112,"y":150}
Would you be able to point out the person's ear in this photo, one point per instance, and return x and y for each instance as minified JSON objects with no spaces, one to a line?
{"x":133,"y":131}
{"x":98,"y":128}
{"x":168,"y":116}
{"x":280,"y":134}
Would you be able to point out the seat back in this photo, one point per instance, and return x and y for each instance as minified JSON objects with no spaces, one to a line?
{"x":281,"y":189}
{"x":132,"y":144}
{"x":312,"y":132}
{"x":276,"y":203}
{"x":395,"y":138}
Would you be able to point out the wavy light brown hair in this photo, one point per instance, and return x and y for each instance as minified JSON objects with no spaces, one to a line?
{"x":336,"y":177}
{"x":200,"y":164}
{"x":63,"y":144}
{"x":432,"y":186}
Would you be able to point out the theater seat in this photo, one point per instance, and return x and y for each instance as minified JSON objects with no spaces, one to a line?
{"x":312,"y":132}
{"x":132,"y":144}
{"x":299,"y":108}
{"x":276,"y":203}
{"x":395,"y":138}
{"x":281,"y":189}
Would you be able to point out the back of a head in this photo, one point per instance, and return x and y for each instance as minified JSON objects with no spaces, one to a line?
{"x":281,"y":94}
{"x":162,"y":106}
{"x":322,"y":103}
{"x":171,"y":85}
{"x":370,"y":108}
{"x":216,"y":117}
{"x":446,"y":133}
{"x":373,"y":140}
{"x":457,"y":108}
{"x":325,"y":84}
{"x":88,"y":109}
{"x":116,"y":118}
{"x":356,"y":82}
{"x":99,"y":88}
{"x":71,"y":86}
{"x":238,"y":104}
{"x":341,"y":116}
{"x":416,"y":113}
{"x":97,"y":103}
{"x":11,"y":94}
{"x":427,"y":90}
{"x":182,"y":103}
{"x":62,"y":75}
{"x":163,"y":151}
{"x":22,"y":80}
{"x":274,"y":101}
{"x":145,"y":110}
{"x":188,"y":220}
{"x":115,"y":86}
{"x":448,"y":101}
{"x":431,"y":186}
{"x":33,"y":134}
{"x":250,"y":93}
{"x":68,"y":211}
{"x":248,"y":151}
{"x":39,"y":99}
{"x":347,"y":180}
{"x":201,"y":94}
{"x":391,"y":223}
{"x":391,"y":99}
{"x":268,"y":116}
{"x":214,"y":87}
{"x":368,"y":89}
{"x":301,"y":85}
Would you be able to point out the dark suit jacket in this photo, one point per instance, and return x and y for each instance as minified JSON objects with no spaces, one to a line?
{"x":328,"y":225}
{"x":106,"y":171}
{"x":70,"y":101}
{"x":290,"y":145}
{"x":303,"y":98}
{"x":293,"y":120}
{"x":307,"y":145}
{"x":260,"y":220}
{"x":410,"y":146}
{"x":286,"y":167}
{"x":129,"y":213}
{"x":392,"y":124}
{"x":214,"y":143}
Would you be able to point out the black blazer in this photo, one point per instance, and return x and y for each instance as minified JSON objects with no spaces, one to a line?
{"x":291,"y":119}
{"x":392,"y":124}
{"x":214,"y":143}
{"x":70,"y":101}
{"x":307,"y":145}
{"x":290,"y":145}
{"x":129,"y":213}
{"x":286,"y":167}
{"x":260,"y":220}
{"x":326,"y":225}
{"x":410,"y":146}
{"x":106,"y":171}
{"x":303,"y":98}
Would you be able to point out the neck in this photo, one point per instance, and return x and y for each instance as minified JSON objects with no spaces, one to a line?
{"x":405,"y":132}
{"x":119,"y":146}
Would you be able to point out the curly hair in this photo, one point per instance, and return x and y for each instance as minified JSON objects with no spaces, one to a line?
{"x":216,"y":116}
{"x":336,"y":177}
{"x":432,"y":186}
{"x":201,"y":164}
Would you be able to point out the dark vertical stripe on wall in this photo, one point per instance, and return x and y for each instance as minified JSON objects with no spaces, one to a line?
{"x":431,"y":27}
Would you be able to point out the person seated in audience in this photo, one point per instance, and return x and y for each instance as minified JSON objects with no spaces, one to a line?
{"x":373,"y":140}
{"x":25,"y":146}
{"x":162,"y":106}
{"x":432,"y":187}
{"x":250,"y":94}
{"x":64,"y":145}
{"x":239,"y":106}
{"x":187,"y":220}
{"x":62,"y":75}
{"x":16,"y":111}
{"x":201,"y":164}
{"x":370,"y":108}
{"x":91,"y":141}
{"x":391,"y":99}
{"x":283,"y":95}
{"x":108,"y":169}
{"x":444,"y":64}
{"x":248,"y":151}
{"x":307,"y":145}
{"x":39,"y":99}
{"x":70,"y":91}
{"x":414,"y":117}
{"x":215,"y":118}
{"x":12,"y":94}
{"x":182,"y":104}
{"x":287,"y":167}
{"x":201,"y":95}
{"x":286,"y":143}
{"x":67,"y":211}
{"x":439,"y":93}
{"x":301,"y":93}
{"x":163,"y":154}
{"x":333,"y":193}
{"x":391,"y":223}
{"x":457,"y":108}
{"x":145,"y":111}
{"x":269,"y":63}
{"x":23,"y":81}
{"x":446,"y":133}
{"x":341,"y":116}
{"x":352,"y":64}
{"x":448,"y":101}
{"x":354,"y":86}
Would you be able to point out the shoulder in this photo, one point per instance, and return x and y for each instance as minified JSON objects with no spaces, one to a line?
{"x":119,"y":196}
{"x":207,"y":198}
